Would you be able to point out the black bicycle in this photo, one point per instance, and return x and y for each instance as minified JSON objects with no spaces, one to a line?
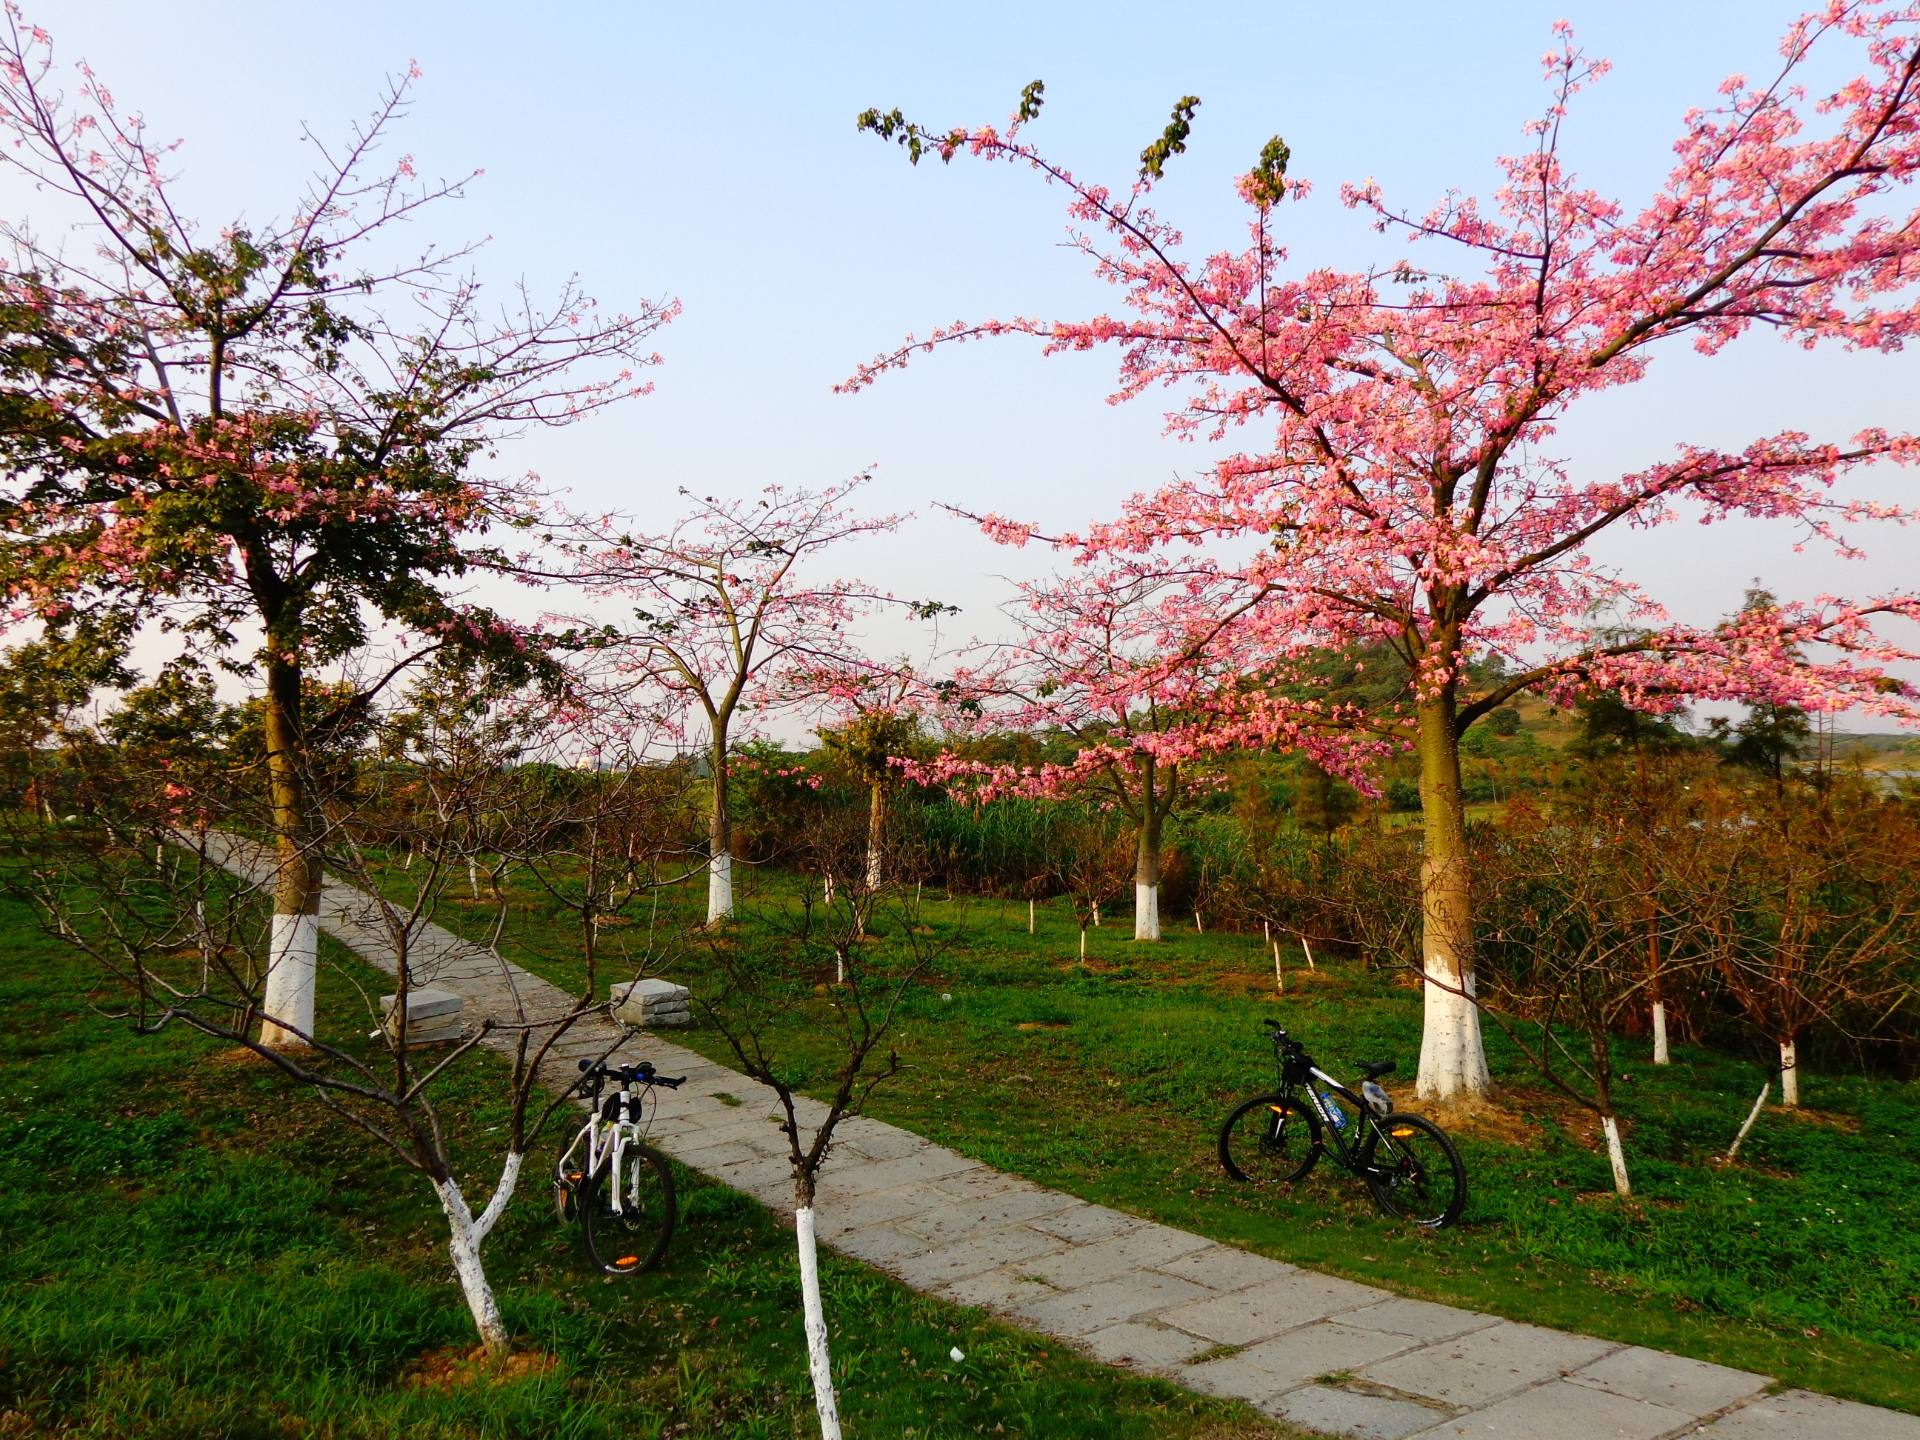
{"x":1408,"y":1164}
{"x":609,"y":1179}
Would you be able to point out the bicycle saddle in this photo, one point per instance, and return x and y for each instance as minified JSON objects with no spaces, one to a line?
{"x":1374,"y":1069}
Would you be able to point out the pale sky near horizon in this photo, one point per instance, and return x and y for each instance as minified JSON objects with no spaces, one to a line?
{"x":710,"y":153}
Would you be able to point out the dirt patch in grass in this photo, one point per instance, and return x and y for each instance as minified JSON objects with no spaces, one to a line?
{"x":453,"y":1367}
{"x":1845,"y":1124}
{"x":1044,"y":1025}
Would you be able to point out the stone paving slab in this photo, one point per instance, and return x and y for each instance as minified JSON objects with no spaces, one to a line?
{"x":1488,"y":1365}
{"x":1324,"y":1353}
{"x":1340,"y":1411}
{"x":1800,"y":1414}
{"x":1563,"y":1408}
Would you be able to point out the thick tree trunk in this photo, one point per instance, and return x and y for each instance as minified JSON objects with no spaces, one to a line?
{"x":1789,"y":1073}
{"x":1146,"y":882}
{"x":819,"y":1363}
{"x":876,"y":834}
{"x":293,"y":942}
{"x":1453,"y":1060}
{"x":719,"y":843}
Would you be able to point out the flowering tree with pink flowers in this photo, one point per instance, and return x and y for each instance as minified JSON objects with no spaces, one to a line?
{"x":1399,"y":470}
{"x":725,"y":620}
{"x":1139,"y":671}
{"x":265,"y":440}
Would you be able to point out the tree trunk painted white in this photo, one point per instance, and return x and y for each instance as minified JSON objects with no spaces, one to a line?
{"x":1752,"y":1115}
{"x":1307,"y":950}
{"x":1789,"y":1073}
{"x":1146,"y":912}
{"x":719,"y":887}
{"x":818,"y":1361}
{"x":1083,"y":942}
{"x":293,"y":960}
{"x":1029,"y":917}
{"x":463,"y":1244}
{"x":473,"y":877}
{"x":1096,"y":915}
{"x":1616,"y":1155}
{"x":826,"y":888}
{"x":1279,"y":982}
{"x":1661,"y":1055}
{"x":1452,"y":1060}
{"x":1199,"y":924}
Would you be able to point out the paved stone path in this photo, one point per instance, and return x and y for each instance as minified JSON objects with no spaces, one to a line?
{"x":1324,"y":1353}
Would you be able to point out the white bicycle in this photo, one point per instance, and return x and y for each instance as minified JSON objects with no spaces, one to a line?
{"x":616,"y":1185}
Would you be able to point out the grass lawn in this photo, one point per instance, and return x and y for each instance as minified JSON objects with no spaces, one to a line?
{"x":194,"y":1250}
{"x":1109,"y":1080}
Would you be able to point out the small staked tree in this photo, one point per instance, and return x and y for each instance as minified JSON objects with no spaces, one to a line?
{"x":261,"y":438}
{"x":726,"y":616}
{"x":1404,"y":484}
{"x":849,"y":962}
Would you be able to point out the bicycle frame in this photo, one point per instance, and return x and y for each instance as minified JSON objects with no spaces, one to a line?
{"x":1352,"y":1153}
{"x":607,"y":1135}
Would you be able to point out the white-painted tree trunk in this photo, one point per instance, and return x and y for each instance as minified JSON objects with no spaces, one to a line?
{"x":1096,"y":916}
{"x":1616,"y":1155}
{"x":293,"y":961}
{"x":1661,"y":1055}
{"x":1199,"y":924}
{"x":1146,"y":912}
{"x":874,"y":870}
{"x":826,"y":888}
{"x":819,"y":1363}
{"x":1029,"y":917}
{"x":1083,"y":942}
{"x":719,"y":886}
{"x":1752,"y":1115}
{"x":1452,"y":1062}
{"x":466,"y":1237}
{"x":1279,"y":981}
{"x":473,"y":877}
{"x":1789,"y":1073}
{"x":1307,"y":950}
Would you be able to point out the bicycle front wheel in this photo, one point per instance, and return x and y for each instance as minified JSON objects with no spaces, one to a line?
{"x":1269,"y":1140}
{"x":1414,"y":1173}
{"x":628,"y":1225}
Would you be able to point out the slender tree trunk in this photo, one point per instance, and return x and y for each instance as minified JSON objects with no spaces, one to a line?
{"x":719,"y":841}
{"x":876,"y":833}
{"x":293,"y":943}
{"x":1453,"y":1060}
{"x":1790,"y":1071}
{"x":819,"y":1362}
{"x":1146,"y":879}
{"x":1661,"y":1054}
{"x":463,"y":1244}
{"x":1616,"y":1155}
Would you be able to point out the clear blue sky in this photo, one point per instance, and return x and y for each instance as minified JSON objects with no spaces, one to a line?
{"x":709,"y":152}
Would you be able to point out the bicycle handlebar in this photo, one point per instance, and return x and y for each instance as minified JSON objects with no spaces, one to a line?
{"x":642,"y":1071}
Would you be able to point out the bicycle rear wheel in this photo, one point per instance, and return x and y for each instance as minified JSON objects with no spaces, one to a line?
{"x":1269,"y":1140}
{"x":633,"y":1237}
{"x":1414,"y":1173}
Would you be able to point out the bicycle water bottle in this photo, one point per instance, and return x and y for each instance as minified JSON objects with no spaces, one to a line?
{"x":1378,"y":1098}
{"x":1334,"y":1112}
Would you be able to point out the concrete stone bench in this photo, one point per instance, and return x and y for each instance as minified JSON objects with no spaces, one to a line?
{"x":652,"y":1003}
{"x":433,"y":1016}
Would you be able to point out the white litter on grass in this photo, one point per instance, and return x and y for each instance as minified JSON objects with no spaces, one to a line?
{"x":946,"y":999}
{"x":957,"y":1354}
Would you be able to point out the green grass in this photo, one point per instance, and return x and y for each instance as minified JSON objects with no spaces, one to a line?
{"x":1109,"y":1081}
{"x":193,"y":1249}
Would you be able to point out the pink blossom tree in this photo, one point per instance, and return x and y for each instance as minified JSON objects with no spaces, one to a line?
{"x":264,"y":440}
{"x":1402,"y":479}
{"x":726,"y":620}
{"x":1136,"y":669}
{"x":871,"y":724}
